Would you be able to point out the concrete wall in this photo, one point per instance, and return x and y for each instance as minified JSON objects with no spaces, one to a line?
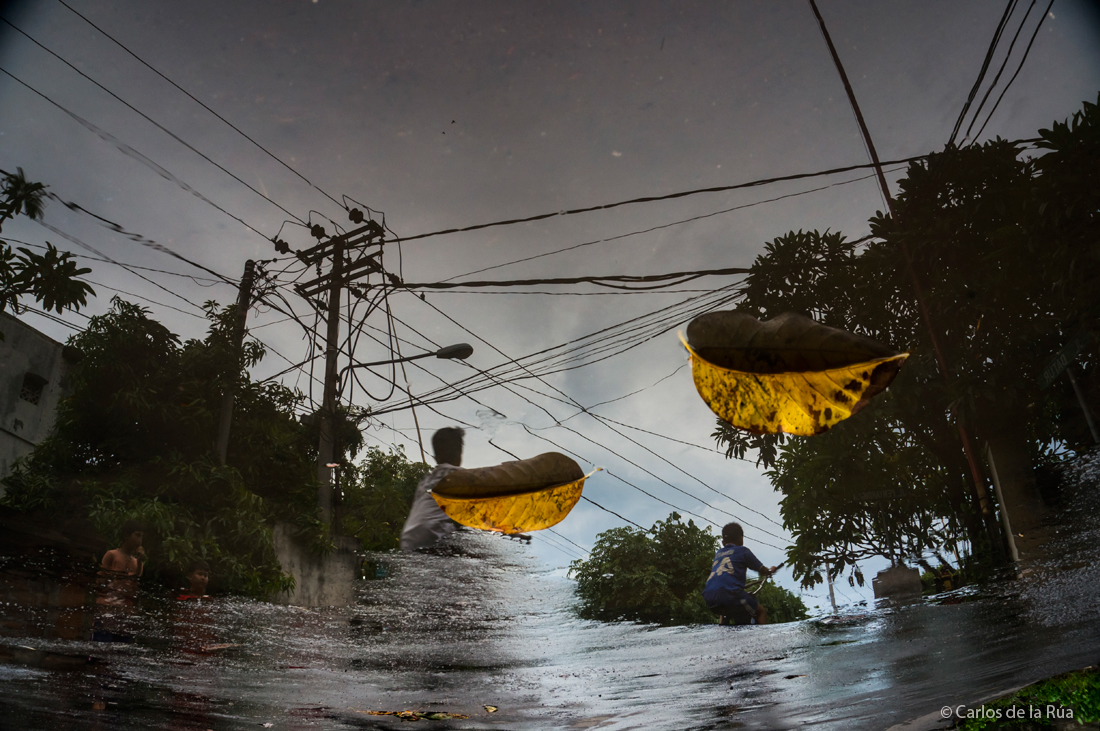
{"x":319,"y":580}
{"x":27,"y":357}
{"x":897,"y":582}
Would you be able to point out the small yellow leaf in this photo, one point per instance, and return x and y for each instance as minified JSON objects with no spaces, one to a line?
{"x":514,"y":497}
{"x":491,"y":709}
{"x":789,"y":375}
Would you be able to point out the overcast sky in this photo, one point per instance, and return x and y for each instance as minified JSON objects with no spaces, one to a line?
{"x":453,"y":114}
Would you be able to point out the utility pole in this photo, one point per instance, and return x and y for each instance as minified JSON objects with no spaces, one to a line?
{"x":980,"y":491}
{"x":244,"y":301}
{"x":339,"y":276}
{"x":328,"y":404}
{"x":832,"y":596}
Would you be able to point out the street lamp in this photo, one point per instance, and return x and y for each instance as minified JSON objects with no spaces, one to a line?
{"x":460,"y":351}
{"x":326,"y":443}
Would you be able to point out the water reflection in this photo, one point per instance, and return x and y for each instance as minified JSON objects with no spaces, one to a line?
{"x":479,"y":624}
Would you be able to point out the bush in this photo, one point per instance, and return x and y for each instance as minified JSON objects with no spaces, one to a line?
{"x":377,"y":496}
{"x":658,"y":576}
{"x":647,"y":576}
{"x":782,"y":605}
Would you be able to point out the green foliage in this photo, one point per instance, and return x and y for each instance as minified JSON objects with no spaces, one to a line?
{"x":20,"y":196}
{"x":782,"y":605}
{"x":1007,"y":251}
{"x":658,"y":576}
{"x":134,"y":438}
{"x":50,"y":278}
{"x":1077,"y":692}
{"x":376,"y":496}
{"x":647,"y":576}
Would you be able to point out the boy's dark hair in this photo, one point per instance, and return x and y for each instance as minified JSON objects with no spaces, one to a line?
{"x":447,"y":445}
{"x":733,"y":533}
{"x":130,"y":527}
{"x":198,"y":564}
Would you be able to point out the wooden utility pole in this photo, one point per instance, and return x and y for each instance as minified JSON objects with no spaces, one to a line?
{"x":244,"y":301}
{"x":341,"y":273}
{"x":328,"y":404}
{"x":980,"y":491}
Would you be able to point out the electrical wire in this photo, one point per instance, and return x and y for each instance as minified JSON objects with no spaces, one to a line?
{"x":1009,"y":6}
{"x":531,"y":432}
{"x":997,"y":77}
{"x":654,"y":198}
{"x":133,"y":153}
{"x":1027,"y":51}
{"x":201,"y":104}
{"x":559,"y":535}
{"x":682,"y":277}
{"x":558,"y":424}
{"x":144,"y":241}
{"x":145,"y":116}
{"x":665,"y":225}
{"x":109,"y":261}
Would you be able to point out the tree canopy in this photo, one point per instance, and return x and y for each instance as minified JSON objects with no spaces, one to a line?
{"x":1006,"y":246}
{"x":657,"y":576}
{"x":135,"y":437}
{"x":49,"y":278}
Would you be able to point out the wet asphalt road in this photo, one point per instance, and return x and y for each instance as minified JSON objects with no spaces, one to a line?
{"x":486,"y":626}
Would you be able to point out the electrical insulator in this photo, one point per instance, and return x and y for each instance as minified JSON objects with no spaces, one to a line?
{"x":318,"y":231}
{"x":281,"y":246}
{"x":355,"y":215}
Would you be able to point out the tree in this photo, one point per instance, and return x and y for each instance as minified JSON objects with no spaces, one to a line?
{"x":50,"y":278}
{"x":377,"y":494}
{"x":134,"y":438}
{"x":655,"y":576}
{"x":1006,"y":249}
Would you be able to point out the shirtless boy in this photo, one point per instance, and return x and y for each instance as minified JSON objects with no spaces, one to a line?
{"x":128,"y":560}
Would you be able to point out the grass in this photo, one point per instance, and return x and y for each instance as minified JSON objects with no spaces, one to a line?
{"x":1041,"y":706}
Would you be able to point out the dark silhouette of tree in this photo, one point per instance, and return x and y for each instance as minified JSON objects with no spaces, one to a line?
{"x":50,"y":278}
{"x":1007,"y":248}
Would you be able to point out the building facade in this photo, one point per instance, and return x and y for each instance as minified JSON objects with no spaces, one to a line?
{"x":32,"y":373}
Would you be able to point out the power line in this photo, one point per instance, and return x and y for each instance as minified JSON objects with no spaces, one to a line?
{"x":78,"y":242}
{"x":539,"y":436}
{"x":142,"y":297}
{"x":559,"y":535}
{"x":109,"y":261}
{"x":145,"y":116}
{"x":132,"y":153}
{"x":1004,"y":63}
{"x":144,"y":241}
{"x":528,"y":429}
{"x":598,"y":280}
{"x":569,"y":554}
{"x":651,"y":229}
{"x":654,"y":198}
{"x":608,"y":510}
{"x":559,"y":425}
{"x":617,"y":338}
{"x":985,"y":67}
{"x":1018,"y":68}
{"x":578,"y":294}
{"x":201,"y":104}
{"x":54,"y":318}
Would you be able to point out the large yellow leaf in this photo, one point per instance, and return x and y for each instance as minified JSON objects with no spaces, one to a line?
{"x":788,"y":374}
{"x":514,"y":497}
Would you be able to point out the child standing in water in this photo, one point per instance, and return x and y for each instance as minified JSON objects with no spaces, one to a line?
{"x":724,"y":592}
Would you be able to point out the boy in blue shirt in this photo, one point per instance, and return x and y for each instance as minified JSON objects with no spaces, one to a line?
{"x":725,"y":592}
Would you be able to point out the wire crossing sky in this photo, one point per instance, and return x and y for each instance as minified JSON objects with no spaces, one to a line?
{"x":179,"y":139}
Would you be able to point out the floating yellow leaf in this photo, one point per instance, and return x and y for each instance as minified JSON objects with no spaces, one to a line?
{"x":788,"y":374}
{"x":514,"y":497}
